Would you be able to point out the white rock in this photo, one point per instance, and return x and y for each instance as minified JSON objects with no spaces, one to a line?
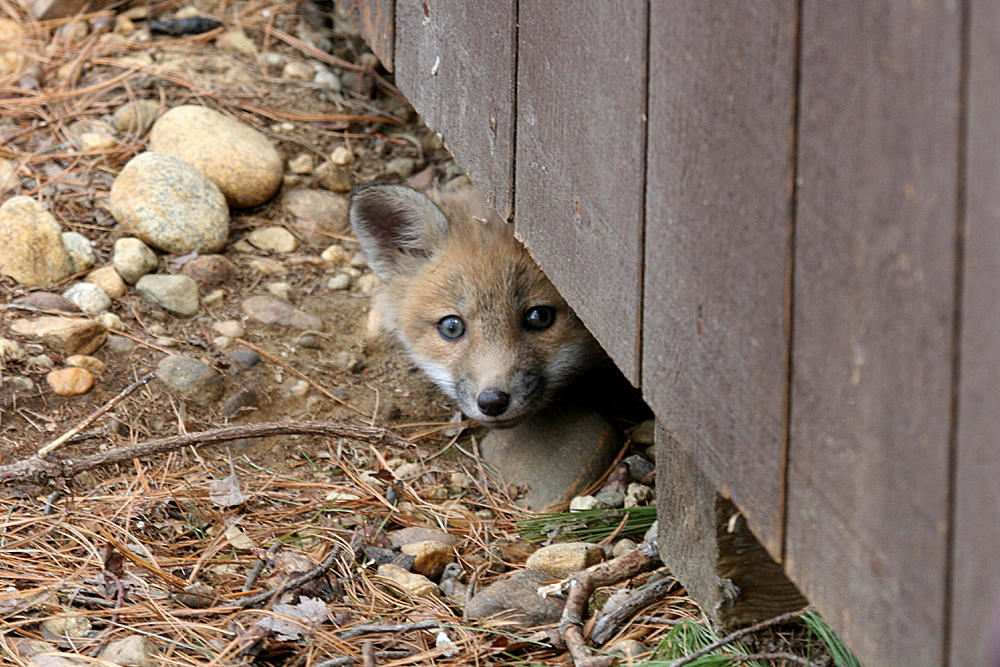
{"x":90,"y":298}
{"x":80,"y":250}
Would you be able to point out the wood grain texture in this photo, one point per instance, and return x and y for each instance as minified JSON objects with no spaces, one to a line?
{"x":975,"y":604}
{"x":580,"y":140}
{"x":455,"y":63}
{"x":873,"y":322}
{"x":704,"y":541}
{"x":718,"y":214}
{"x":376,"y":21}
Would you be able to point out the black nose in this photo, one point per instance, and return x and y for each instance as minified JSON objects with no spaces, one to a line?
{"x":493,"y":402}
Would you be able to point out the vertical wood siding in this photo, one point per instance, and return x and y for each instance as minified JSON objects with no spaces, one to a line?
{"x":456,"y":65}
{"x":717,"y":241}
{"x":580,"y":146}
{"x":872,"y":357}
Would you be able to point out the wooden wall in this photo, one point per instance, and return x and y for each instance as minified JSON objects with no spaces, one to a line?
{"x":782,"y":221}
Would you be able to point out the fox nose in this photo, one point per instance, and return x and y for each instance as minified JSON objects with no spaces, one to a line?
{"x":493,"y":402}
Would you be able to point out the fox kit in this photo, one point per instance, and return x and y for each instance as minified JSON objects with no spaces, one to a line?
{"x":467,"y":301}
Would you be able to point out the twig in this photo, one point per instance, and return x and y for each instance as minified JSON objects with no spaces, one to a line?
{"x":58,"y":442}
{"x":578,"y":589}
{"x":43,"y":472}
{"x":733,"y":636}
{"x":259,"y":566}
{"x":609,"y":623}
{"x":295,"y":582}
{"x":368,"y":654}
{"x":401,"y":627}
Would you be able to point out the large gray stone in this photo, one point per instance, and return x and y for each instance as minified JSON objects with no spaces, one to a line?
{"x":191,"y":379}
{"x":517,"y":597}
{"x":170,"y":205}
{"x":557,"y":454}
{"x":178,"y":295}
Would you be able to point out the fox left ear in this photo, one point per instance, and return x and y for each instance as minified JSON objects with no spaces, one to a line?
{"x":393,"y":224}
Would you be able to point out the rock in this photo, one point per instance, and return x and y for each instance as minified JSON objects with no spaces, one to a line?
{"x":630,"y":649}
{"x":241,"y":161}
{"x":191,"y":379}
{"x":298,"y":70}
{"x":245,"y":358}
{"x":67,"y":335}
{"x":610,"y":498}
{"x":408,"y":470}
{"x":638,"y":467}
{"x":563,"y":559}
{"x":235,"y":41}
{"x":132,"y":651}
{"x":328,"y":80}
{"x":583,"y":504}
{"x":319,"y":215}
{"x":111,"y":321}
{"x":339,"y":282}
{"x":412,"y":534}
{"x":642,"y":434}
{"x":518,"y":596}
{"x":401,"y":166}
{"x":63,"y":627}
{"x":280,"y":289}
{"x":230,"y":328}
{"x":301,"y":164}
{"x":48,"y":301}
{"x":70,"y":381}
{"x":178,"y":295}
{"x":107,"y":278}
{"x":12,"y":55}
{"x":133,"y":259}
{"x":213,"y":298}
{"x":31,"y":246}
{"x":342,"y":155}
{"x":334,"y":177}
{"x":11,"y":350}
{"x":622,"y":547}
{"x":40,"y":361}
{"x":274,"y":239}
{"x":8,"y":176}
{"x":120,"y":346}
{"x":430,"y":557}
{"x":88,"y":297}
{"x":208,"y":270}
{"x":169,"y":204}
{"x":95,"y":366}
{"x":557,"y":454}
{"x":638,"y":494}
{"x":273,"y":311}
{"x":96,"y":141}
{"x":243,"y":399}
{"x":417,"y":584}
{"x":80,"y":251}
{"x":335,"y":254}
{"x":136,"y":116}
{"x":267,"y":266}
{"x":359,"y":260}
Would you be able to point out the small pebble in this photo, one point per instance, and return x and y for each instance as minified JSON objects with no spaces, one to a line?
{"x":368,"y":283}
{"x":107,"y":278}
{"x":334,"y":177}
{"x":301,"y":164}
{"x":244,"y":357}
{"x":213,"y":298}
{"x":88,"y":297}
{"x":298,"y":70}
{"x":280,"y":289}
{"x":274,"y":239}
{"x":70,"y":381}
{"x":341,"y":281}
{"x":95,"y":366}
{"x":230,"y":328}
{"x":178,"y":295}
{"x":417,"y":584}
{"x":191,"y":379}
{"x":328,"y":80}
{"x":133,"y":259}
{"x":335,"y":254}
{"x":565,"y":558}
{"x":80,"y":250}
{"x":430,"y":557}
{"x":342,"y":155}
{"x":638,"y":494}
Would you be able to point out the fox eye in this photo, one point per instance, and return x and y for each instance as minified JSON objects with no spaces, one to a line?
{"x":451,"y":327}
{"x":539,"y":318}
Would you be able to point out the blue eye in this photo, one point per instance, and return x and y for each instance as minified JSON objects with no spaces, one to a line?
{"x":451,"y":327}
{"x":539,"y":318}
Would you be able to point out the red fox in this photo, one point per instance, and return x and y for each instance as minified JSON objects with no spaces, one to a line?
{"x":472,"y":308}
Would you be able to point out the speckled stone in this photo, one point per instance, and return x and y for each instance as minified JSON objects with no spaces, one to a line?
{"x":178,"y":295}
{"x":191,"y":379}
{"x":31,"y":246}
{"x":241,"y":161}
{"x":170,"y":205}
{"x":132,"y":259}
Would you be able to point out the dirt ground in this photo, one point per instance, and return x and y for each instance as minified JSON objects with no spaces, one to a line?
{"x":117,"y":545}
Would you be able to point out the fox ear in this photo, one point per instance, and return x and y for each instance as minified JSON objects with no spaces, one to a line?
{"x":393,"y":224}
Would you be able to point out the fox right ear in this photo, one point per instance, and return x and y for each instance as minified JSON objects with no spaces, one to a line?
{"x":393,"y":224}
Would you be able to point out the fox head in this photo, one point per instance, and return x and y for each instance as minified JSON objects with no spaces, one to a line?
{"x":471,"y":307}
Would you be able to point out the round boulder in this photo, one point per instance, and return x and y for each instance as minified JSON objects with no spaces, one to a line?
{"x":31,"y":245}
{"x":170,"y":205}
{"x":240,"y":160}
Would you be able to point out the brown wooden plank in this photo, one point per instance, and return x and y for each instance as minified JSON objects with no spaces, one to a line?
{"x":717,"y":242}
{"x":376,"y":22}
{"x":580,"y":138}
{"x":455,"y":63}
{"x":975,"y":604}
{"x":873,"y":325}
